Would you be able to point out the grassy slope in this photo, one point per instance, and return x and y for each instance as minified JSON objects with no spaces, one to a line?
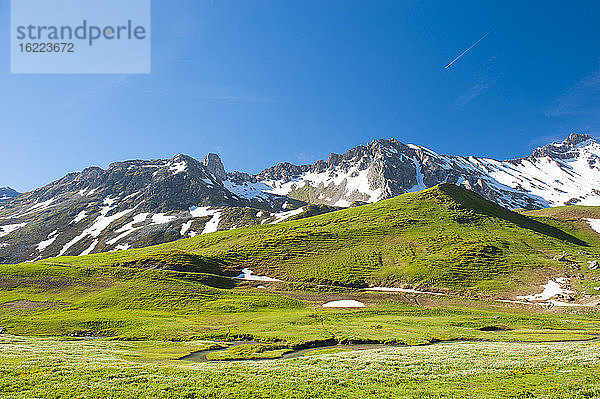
{"x":444,"y":237}
{"x":572,"y":212}
{"x":168,"y":305}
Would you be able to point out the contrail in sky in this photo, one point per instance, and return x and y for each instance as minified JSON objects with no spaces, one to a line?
{"x":464,"y":52}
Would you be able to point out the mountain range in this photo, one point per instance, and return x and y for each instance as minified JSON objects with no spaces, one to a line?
{"x":139,"y":203}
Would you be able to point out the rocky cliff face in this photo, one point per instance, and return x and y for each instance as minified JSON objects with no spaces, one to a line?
{"x":138,"y":203}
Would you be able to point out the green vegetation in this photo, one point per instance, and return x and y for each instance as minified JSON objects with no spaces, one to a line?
{"x":250,"y":351}
{"x":133,"y":303}
{"x":158,"y":304}
{"x":572,"y":212}
{"x":90,"y":369}
{"x":445,"y":238}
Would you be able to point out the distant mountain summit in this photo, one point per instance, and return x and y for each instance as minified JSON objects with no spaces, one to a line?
{"x":7,"y":193}
{"x":138,"y":203}
{"x":556,"y":174}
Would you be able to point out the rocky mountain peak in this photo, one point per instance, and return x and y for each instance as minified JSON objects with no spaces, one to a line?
{"x":568,"y":149}
{"x":576,"y":138}
{"x":7,"y":193}
{"x":214,"y":165}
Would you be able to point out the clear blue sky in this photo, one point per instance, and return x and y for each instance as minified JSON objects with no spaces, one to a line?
{"x":267,"y":81}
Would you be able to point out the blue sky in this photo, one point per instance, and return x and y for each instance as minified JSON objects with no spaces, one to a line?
{"x":267,"y":81}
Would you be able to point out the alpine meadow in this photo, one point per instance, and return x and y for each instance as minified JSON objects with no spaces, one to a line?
{"x":300,"y":199}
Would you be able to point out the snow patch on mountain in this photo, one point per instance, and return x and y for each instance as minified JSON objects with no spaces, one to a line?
{"x":248,"y":190}
{"x":9,"y":228}
{"x":90,"y":248}
{"x":419,"y":176}
{"x":348,"y":183}
{"x":213,"y":224}
{"x":99,"y":225}
{"x":46,"y":243}
{"x":80,"y":216}
{"x":177,"y":167}
{"x":284,"y":187}
{"x":282,"y":216}
{"x":129,"y":228}
{"x":185,"y":227}
{"x":161,"y":218}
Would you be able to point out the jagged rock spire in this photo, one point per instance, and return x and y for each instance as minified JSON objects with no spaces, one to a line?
{"x":213,"y":163}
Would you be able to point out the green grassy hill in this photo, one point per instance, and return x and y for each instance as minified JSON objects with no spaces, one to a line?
{"x":445,"y":237}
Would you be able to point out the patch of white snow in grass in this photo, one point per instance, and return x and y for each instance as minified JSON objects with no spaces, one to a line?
{"x":565,"y":304}
{"x":122,"y":247}
{"x":248,"y":274}
{"x":594,"y":224}
{"x":346,"y":303}
{"x":551,"y":290}
{"x":281,"y":216}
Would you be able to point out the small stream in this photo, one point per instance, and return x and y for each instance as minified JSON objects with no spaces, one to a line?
{"x":201,"y":356}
